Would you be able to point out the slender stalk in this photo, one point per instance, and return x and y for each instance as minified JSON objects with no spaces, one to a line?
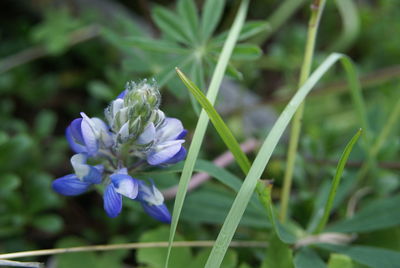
{"x":316,"y":12}
{"x":54,"y":251}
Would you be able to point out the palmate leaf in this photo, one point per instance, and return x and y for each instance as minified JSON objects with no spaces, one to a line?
{"x":155,"y":45}
{"x":249,"y":30}
{"x":190,"y":19}
{"x":170,"y":25}
{"x":212,"y":12}
{"x":243,"y":52}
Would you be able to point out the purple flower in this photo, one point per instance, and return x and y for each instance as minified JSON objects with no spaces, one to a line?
{"x":87,"y":135}
{"x":121,"y":185}
{"x":167,"y":142}
{"x":79,"y":182}
{"x":152,"y":202}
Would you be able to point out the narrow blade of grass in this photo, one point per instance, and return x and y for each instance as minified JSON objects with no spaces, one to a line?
{"x":242,"y":199}
{"x":336,"y":182}
{"x":222,"y":129}
{"x":203,"y":120}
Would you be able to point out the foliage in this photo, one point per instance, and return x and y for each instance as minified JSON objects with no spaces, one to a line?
{"x":52,"y":67}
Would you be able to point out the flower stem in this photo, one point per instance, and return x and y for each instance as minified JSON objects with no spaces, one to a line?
{"x":316,"y":11}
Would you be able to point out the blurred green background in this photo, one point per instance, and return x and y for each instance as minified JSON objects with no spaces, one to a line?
{"x":58,"y":58}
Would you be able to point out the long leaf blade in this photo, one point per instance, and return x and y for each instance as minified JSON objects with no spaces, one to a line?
{"x":336,"y":181}
{"x":259,"y":164}
{"x":203,"y":120}
{"x":224,"y":132}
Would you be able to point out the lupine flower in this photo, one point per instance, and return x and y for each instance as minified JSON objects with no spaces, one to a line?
{"x":152,"y":202}
{"x":137,"y":133}
{"x":167,"y":142}
{"x":87,"y":135}
{"x":121,"y":184}
{"x":79,"y":182}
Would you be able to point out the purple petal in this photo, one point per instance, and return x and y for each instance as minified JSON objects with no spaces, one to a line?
{"x":159,"y":212}
{"x":164,"y":152}
{"x":122,"y":94}
{"x":76,"y":130}
{"x":170,"y":130}
{"x":182,"y":134}
{"x":74,"y":136}
{"x":179,"y":156}
{"x":112,"y":202}
{"x":91,"y":141}
{"x":94,"y":175}
{"x":70,"y":185}
{"x":125,"y":185}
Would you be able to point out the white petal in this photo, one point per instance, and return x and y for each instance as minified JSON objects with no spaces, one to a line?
{"x":148,"y":134}
{"x":170,"y":129}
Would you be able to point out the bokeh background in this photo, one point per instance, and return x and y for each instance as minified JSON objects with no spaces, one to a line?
{"x":58,"y":58}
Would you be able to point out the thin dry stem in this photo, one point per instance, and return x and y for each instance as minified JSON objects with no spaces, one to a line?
{"x":206,"y":243}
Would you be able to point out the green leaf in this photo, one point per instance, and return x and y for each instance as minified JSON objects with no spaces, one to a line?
{"x":89,"y":259}
{"x":369,"y":256}
{"x":168,"y":72}
{"x":250,"y":29}
{"x":156,"y":257}
{"x":336,"y":182}
{"x":307,"y":258}
{"x":203,"y":120}
{"x":246,"y":52}
{"x":78,"y":260}
{"x":170,"y":25}
{"x":278,"y":255}
{"x":188,"y":11}
{"x":156,"y":45}
{"x":45,"y":123}
{"x":8,"y":183}
{"x":221,"y":174}
{"x":230,"y":260}
{"x":282,"y":233}
{"x":339,"y":261}
{"x":217,"y":201}
{"x":377,"y":215}
{"x":49,"y":223}
{"x":223,"y":131}
{"x":212,"y":13}
{"x":243,"y":52}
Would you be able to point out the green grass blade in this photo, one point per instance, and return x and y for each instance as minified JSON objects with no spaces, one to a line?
{"x":239,"y":205}
{"x":223,"y":131}
{"x":203,"y":120}
{"x":336,"y":182}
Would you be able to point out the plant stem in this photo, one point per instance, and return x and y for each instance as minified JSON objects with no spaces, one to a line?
{"x":44,"y":252}
{"x":316,"y":12}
